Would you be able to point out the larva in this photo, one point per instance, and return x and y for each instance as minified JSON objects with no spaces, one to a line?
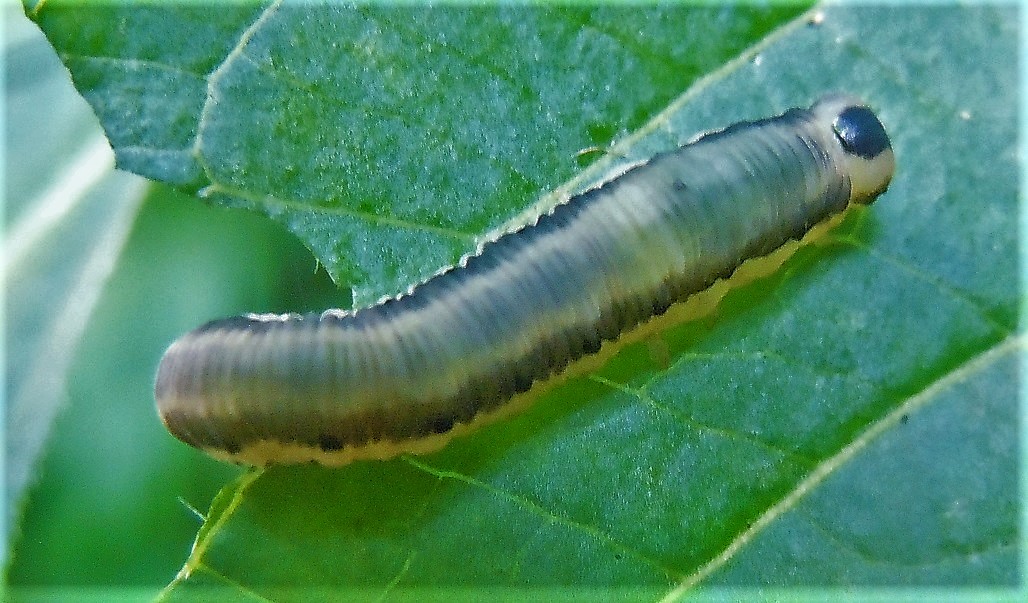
{"x":466,"y":346}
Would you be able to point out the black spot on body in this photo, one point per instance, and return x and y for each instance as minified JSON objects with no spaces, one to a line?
{"x":522,"y":383}
{"x":441,"y":423}
{"x":662,"y":300}
{"x":592,"y":344}
{"x":330,"y":443}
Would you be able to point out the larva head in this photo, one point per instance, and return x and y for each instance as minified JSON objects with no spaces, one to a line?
{"x":866,"y":151}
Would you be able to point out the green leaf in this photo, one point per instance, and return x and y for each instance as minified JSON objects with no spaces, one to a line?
{"x":849,"y":421}
{"x":389,"y":139}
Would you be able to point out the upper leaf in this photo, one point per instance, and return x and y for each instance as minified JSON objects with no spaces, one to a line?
{"x":389,"y":139}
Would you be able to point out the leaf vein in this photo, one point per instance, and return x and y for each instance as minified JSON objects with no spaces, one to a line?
{"x":255,"y":199}
{"x":211,"y":98}
{"x":537,"y":509}
{"x":133,"y":64}
{"x":868,"y":556}
{"x":691,"y":422}
{"x":830,"y":465}
{"x":943,"y":287}
{"x":205,"y":537}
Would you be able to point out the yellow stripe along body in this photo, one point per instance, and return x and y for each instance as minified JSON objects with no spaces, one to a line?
{"x":406,"y":374}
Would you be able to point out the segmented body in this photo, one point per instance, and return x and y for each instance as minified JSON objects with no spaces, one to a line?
{"x":407,"y":374}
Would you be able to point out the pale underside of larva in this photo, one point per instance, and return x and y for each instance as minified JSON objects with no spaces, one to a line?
{"x":478,"y":341}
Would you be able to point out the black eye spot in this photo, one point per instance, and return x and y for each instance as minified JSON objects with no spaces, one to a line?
{"x":860,"y":132}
